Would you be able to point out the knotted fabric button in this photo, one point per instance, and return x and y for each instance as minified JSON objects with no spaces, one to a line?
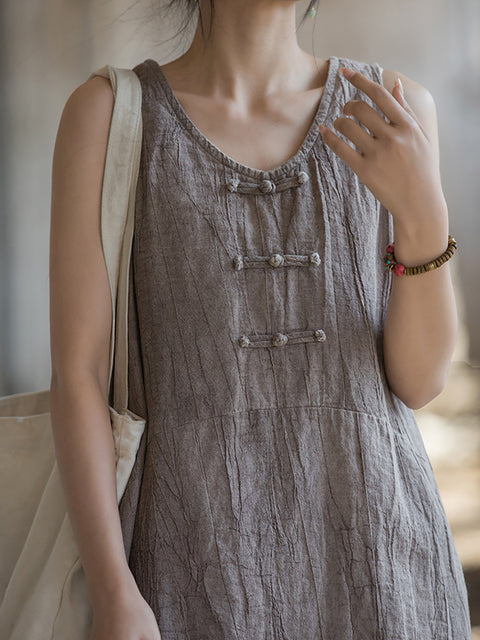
{"x":238,"y":262}
{"x":244,"y":341}
{"x":232,"y":185}
{"x":302,"y":177}
{"x":276,"y":260}
{"x":315,"y":258}
{"x":279,"y":339}
{"x":319,"y":335}
{"x":266,"y":186}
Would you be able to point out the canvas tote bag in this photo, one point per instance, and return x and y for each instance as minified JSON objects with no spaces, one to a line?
{"x":43,"y":590}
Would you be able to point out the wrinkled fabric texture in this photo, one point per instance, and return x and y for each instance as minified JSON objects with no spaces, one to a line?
{"x":281,"y":490}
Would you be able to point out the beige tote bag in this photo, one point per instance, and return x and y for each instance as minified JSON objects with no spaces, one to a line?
{"x":43,"y":591}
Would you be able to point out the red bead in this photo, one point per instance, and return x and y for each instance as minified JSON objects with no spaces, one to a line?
{"x":390,"y":248}
{"x":398,"y":269}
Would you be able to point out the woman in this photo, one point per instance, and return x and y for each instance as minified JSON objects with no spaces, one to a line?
{"x":282,"y":489}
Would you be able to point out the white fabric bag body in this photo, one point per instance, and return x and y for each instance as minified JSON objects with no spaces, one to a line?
{"x":43,"y":589}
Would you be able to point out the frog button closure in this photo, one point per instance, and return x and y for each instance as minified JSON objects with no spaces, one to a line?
{"x":244,"y":341}
{"x":266,"y":186}
{"x":238,"y":262}
{"x":302,"y":177}
{"x":319,"y":335}
{"x":314,"y":258}
{"x":233,"y":184}
{"x":276,"y":260}
{"x":279,"y":339}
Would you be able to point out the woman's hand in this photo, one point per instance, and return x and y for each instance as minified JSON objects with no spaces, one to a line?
{"x":395,"y":158}
{"x":125,"y":617}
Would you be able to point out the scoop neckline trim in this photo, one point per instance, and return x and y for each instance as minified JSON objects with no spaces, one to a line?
{"x":302,"y":153}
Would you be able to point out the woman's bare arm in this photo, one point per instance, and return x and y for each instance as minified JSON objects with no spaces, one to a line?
{"x":80,"y":329}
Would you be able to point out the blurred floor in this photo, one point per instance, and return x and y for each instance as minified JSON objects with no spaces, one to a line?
{"x":450,"y":427}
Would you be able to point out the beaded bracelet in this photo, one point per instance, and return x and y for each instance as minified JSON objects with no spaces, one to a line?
{"x":400,"y":269}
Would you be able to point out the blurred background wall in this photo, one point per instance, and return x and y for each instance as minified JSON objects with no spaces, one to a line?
{"x":49,"y":47}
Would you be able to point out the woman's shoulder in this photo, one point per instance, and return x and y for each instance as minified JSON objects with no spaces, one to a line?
{"x":92,"y":101}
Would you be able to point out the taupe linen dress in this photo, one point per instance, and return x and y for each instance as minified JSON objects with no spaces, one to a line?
{"x":281,"y":490}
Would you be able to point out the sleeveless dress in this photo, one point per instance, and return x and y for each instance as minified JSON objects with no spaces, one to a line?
{"x":281,"y":490}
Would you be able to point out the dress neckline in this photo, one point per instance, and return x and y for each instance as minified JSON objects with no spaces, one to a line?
{"x":303,"y":151}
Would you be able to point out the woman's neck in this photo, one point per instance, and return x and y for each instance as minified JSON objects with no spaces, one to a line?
{"x":252,"y":52}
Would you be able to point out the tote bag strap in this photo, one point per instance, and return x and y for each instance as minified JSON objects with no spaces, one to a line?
{"x":118,"y":213}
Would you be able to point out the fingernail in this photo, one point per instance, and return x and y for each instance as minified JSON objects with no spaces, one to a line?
{"x":322,"y":128}
{"x":399,"y":82}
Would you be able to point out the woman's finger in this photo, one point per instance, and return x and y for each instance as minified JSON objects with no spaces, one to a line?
{"x":379,"y":95}
{"x":398,"y":94}
{"x":343,"y":150}
{"x":354,"y":132}
{"x":367,"y":116}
